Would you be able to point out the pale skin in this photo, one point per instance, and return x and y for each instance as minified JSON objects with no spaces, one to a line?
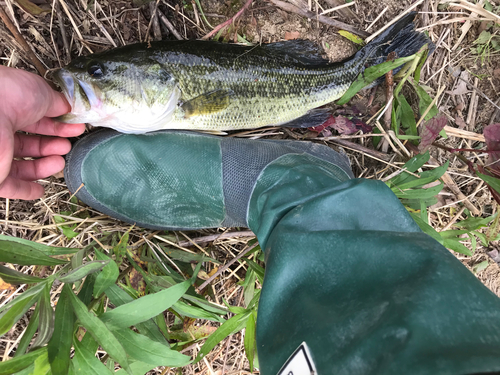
{"x":27,"y":104}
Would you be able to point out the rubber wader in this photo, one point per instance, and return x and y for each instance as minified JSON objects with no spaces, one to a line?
{"x":352,"y":285}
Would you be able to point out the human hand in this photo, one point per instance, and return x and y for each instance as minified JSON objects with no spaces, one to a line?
{"x":26,"y":104}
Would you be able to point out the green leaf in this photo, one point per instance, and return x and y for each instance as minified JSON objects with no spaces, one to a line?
{"x":14,"y":310}
{"x":473,"y":223}
{"x":107,"y":276}
{"x":259,"y":271}
{"x":424,"y":102}
{"x":15,"y":277}
{"x":407,"y":117}
{"x":46,"y":318}
{"x":87,"y":289}
{"x":249,"y":287}
{"x":425,"y":177}
{"x":195,"y":312}
{"x":120,"y":250}
{"x":233,"y":325}
{"x":455,"y":245}
{"x":480,"y":266}
{"x":28,"y":333}
{"x":89,"y":343}
{"x":141,"y":348}
{"x":17,"y":364}
{"x":353,"y":38}
{"x":371,"y":74}
{"x":418,"y":193}
{"x":82,"y":271}
{"x":144,"y":308}
{"x":186,"y":257}
{"x":119,"y":297}
{"x":483,"y":38}
{"x":66,"y":229}
{"x":138,"y":368}
{"x":86,"y":363}
{"x":491,"y":181}
{"x":99,"y":331}
{"x":167,"y":282}
{"x":249,"y":341}
{"x":59,"y":347}
{"x":426,"y":228}
{"x":42,"y":365}
{"x":421,"y":64}
{"x":26,"y":253}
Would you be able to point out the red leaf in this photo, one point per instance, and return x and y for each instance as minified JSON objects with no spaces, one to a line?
{"x":430,"y":131}
{"x":344,"y":126}
{"x":492,"y":137}
{"x":323,"y":126}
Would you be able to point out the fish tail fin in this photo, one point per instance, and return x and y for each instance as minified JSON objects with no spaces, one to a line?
{"x":400,"y":38}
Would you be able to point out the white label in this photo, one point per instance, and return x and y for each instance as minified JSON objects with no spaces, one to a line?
{"x":299,"y":363}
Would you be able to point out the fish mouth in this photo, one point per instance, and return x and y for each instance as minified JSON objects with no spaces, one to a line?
{"x":66,"y":82}
{"x":80,"y":95}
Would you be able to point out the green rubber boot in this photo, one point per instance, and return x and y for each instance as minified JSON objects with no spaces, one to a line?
{"x":352,"y":285}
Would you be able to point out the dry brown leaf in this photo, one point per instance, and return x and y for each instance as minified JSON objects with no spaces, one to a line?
{"x":6,"y":286}
{"x":462,"y":84}
{"x":31,"y":8}
{"x":460,"y":122}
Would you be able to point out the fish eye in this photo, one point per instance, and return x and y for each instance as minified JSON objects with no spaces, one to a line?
{"x":95,"y":69}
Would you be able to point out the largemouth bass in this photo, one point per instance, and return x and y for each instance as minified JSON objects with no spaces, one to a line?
{"x":210,"y":86}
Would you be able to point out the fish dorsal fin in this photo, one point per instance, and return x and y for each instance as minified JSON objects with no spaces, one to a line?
{"x":206,"y":103}
{"x":302,"y":51}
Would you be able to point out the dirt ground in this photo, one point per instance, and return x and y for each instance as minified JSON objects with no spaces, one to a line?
{"x":58,"y":31}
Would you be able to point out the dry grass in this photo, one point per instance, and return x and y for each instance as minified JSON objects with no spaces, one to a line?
{"x":74,"y":27}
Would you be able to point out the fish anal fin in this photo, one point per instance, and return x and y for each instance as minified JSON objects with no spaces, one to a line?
{"x":206,"y":103}
{"x":314,"y":117}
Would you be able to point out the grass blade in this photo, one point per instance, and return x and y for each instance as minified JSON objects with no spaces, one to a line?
{"x":249,"y":341}
{"x":142,"y":348}
{"x":233,"y":325}
{"x":144,"y":308}
{"x":82,"y":271}
{"x":99,"y":331}
{"x":371,"y":74}
{"x":107,"y":276}
{"x":59,"y":347}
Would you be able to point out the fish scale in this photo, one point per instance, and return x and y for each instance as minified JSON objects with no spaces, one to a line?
{"x":211,"y":86}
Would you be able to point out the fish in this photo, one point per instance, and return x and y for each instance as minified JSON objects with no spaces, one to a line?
{"x":215,"y":87}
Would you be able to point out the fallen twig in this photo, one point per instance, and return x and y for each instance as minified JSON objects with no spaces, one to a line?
{"x":29,"y":52}
{"x":169,"y":25}
{"x":214,"y":237}
{"x":225,"y":267}
{"x":323,"y":19}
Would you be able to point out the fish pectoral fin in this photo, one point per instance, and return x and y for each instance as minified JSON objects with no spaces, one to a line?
{"x":210,"y":102}
{"x":314,"y":117}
